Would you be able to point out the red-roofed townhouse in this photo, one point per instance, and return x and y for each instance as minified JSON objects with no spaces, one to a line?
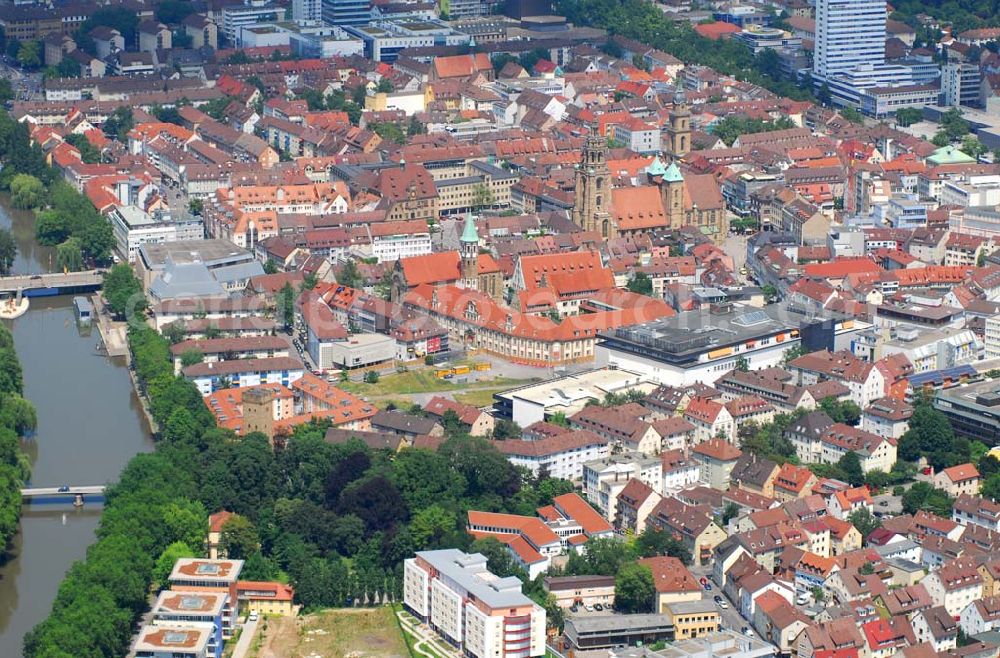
{"x":672,"y":581}
{"x":474,"y":420}
{"x":884,"y":637}
{"x":844,"y":503}
{"x":958,"y":480}
{"x":635,"y":503}
{"x":711,"y":419}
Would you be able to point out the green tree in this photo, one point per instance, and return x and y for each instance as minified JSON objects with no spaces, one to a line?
{"x":69,"y":255}
{"x":922,"y":495}
{"x":972,"y":147}
{"x":29,"y":54}
{"x":850,"y":468}
{"x":349,"y":276}
{"x":770,"y":293}
{"x":122,"y":291}
{"x":654,"y":541}
{"x":88,"y":152}
{"x":286,"y":305}
{"x":26,"y":192}
{"x":954,"y":124}
{"x":432,"y":526}
{"x":191,"y":357}
{"x":864,"y":521}
{"x":908,"y":116}
{"x":641,"y":284}
{"x":929,"y":435}
{"x":165,"y":563}
{"x":841,"y":411}
{"x":941,"y":138}
{"x":634,"y":589}
{"x":8,"y":252}
{"x":482,"y":196}
{"x":852,"y":115}
{"x":239,"y":538}
{"x":118,"y":125}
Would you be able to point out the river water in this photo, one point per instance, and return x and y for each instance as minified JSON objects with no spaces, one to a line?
{"x":89,"y":426}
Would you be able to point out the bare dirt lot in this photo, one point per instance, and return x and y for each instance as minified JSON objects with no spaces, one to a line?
{"x":346,"y":633}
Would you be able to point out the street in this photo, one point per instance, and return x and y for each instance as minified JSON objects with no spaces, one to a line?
{"x":731,"y":617}
{"x":246,"y":637}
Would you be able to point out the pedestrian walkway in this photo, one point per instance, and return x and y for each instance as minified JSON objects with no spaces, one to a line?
{"x":427,"y":643}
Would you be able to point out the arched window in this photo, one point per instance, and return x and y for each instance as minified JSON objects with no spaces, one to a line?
{"x":598,"y":201}
{"x":600,"y":183}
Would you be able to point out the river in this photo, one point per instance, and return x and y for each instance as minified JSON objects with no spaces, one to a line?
{"x":89,"y":426}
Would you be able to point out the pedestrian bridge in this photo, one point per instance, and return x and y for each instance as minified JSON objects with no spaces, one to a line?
{"x":56,"y":283}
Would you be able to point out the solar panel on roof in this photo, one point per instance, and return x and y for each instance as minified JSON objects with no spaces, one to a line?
{"x":751,"y":318}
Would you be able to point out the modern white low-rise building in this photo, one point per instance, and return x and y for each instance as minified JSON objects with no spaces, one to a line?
{"x":134,"y":227}
{"x":482,"y":614}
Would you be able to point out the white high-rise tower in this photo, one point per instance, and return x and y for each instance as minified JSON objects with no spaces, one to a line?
{"x":849,"y":34}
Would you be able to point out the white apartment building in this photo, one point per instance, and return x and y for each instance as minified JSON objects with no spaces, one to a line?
{"x":561,"y":456}
{"x":604,"y":479}
{"x":955,"y":585}
{"x":484,"y":615}
{"x":394,"y":240}
{"x":991,"y":337}
{"x":849,"y":34}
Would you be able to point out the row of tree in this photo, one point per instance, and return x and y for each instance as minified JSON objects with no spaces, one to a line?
{"x":17,"y":419}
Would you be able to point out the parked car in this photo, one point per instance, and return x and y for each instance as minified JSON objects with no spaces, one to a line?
{"x":588,"y":608}
{"x":708,"y":587}
{"x":723,"y":604}
{"x":598,"y":607}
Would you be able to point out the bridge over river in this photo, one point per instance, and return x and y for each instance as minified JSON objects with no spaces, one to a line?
{"x":47,"y":285}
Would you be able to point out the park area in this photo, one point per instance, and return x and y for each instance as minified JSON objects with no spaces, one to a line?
{"x":341,"y":633}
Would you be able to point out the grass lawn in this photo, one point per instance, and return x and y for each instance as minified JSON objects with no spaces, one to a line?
{"x":425,"y":381}
{"x":338,"y":633}
{"x":480,"y":398}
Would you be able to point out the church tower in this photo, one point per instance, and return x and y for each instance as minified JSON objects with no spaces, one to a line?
{"x":593,"y":188}
{"x":679,"y":131}
{"x":468,"y":250}
{"x":672,"y":191}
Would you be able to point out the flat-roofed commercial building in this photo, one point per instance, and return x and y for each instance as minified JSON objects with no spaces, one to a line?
{"x":535,"y":402}
{"x":973,"y":410}
{"x":608,"y":631}
{"x":700,"y":346}
{"x":480,"y":613}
